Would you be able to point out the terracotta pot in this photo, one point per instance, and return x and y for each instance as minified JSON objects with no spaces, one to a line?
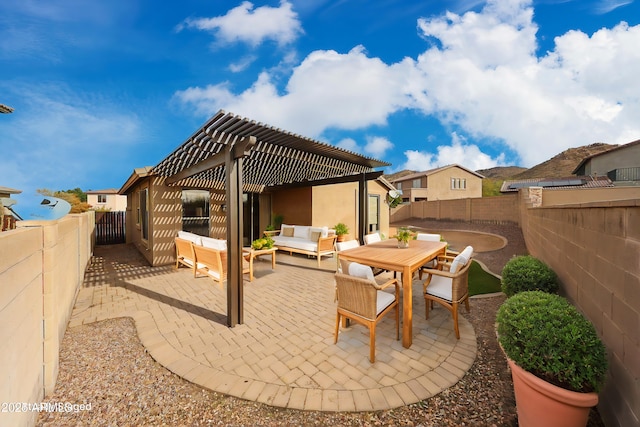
{"x":342,"y":237}
{"x":540,"y":403}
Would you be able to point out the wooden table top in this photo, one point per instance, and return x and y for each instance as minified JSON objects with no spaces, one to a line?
{"x":387,"y":255}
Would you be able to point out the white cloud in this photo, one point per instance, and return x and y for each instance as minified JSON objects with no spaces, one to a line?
{"x":377,"y":146}
{"x":467,"y":155}
{"x":252,"y":26}
{"x":479,"y":75}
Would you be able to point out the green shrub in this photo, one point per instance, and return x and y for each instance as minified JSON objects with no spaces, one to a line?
{"x":526,"y":273}
{"x":547,"y":336}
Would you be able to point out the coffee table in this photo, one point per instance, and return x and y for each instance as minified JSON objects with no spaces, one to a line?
{"x":251,"y":253}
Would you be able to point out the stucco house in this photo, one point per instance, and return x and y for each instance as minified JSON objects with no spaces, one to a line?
{"x":107,"y":200}
{"x":282,"y":176}
{"x":621,"y":164}
{"x":443,"y":183}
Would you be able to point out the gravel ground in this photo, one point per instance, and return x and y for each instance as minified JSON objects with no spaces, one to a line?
{"x":105,"y":365}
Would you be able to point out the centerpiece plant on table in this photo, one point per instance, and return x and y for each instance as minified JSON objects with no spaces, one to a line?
{"x":403,"y":236}
{"x":558,"y":362}
{"x":265,"y":242}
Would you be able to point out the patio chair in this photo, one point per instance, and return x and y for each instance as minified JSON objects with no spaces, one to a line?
{"x":372,"y":238}
{"x":449,"y":284}
{"x":213,"y":263}
{"x":363,"y":300}
{"x":184,"y":253}
{"x":429,"y":237}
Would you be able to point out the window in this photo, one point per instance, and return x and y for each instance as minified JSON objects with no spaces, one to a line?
{"x":458,"y":183}
{"x":399,"y":186}
{"x":102,"y":198}
{"x":417,"y":183}
{"x":374,"y":213}
{"x":143,"y":213}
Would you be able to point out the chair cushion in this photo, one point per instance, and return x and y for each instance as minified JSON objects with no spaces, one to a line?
{"x":383,"y":300}
{"x":440,"y":287}
{"x":358,"y":270}
{"x":372,"y":238}
{"x":349,"y":244}
{"x":315,"y":235}
{"x":428,"y":237}
{"x":461,"y":259}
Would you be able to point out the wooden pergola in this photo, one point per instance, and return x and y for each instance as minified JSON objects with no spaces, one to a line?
{"x":234,"y":154}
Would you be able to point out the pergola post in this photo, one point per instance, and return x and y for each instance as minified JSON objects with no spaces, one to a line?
{"x":363,"y":207}
{"x":234,"y":154}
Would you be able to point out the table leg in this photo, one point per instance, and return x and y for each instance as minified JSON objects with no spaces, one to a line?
{"x":273,"y":260}
{"x":251,"y":268}
{"x":407,"y":308}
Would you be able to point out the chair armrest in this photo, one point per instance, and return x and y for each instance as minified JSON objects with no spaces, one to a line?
{"x":327,"y":243}
{"x":385,"y":285}
{"x":442,"y":273}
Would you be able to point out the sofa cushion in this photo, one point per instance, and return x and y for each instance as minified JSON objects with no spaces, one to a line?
{"x":193,"y":238}
{"x":209,"y":242}
{"x":315,"y":235}
{"x":324,"y":231}
{"x":294,"y":242}
{"x":287,"y":230}
{"x":301,"y":231}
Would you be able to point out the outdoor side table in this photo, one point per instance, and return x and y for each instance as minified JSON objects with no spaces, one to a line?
{"x":254,"y":253}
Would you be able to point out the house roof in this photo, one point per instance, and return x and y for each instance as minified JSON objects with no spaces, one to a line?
{"x":107,"y":191}
{"x":7,"y":190}
{"x":433,"y":171}
{"x":619,"y":147}
{"x":5,"y":109}
{"x":557,"y":183}
{"x":277,"y":158}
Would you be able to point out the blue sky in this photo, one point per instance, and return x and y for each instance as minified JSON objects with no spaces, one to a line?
{"x":102,"y":87}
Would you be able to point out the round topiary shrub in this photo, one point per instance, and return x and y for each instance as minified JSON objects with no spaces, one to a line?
{"x":548,"y":337}
{"x":526,"y":273}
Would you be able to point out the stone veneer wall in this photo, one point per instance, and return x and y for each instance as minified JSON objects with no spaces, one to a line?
{"x":42,"y":266}
{"x":595,"y":250}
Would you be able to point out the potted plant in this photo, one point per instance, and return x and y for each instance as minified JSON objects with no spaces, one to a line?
{"x":341,"y":230}
{"x":558,"y":363}
{"x":526,"y":273}
{"x":404,"y":235}
{"x":265,"y":242}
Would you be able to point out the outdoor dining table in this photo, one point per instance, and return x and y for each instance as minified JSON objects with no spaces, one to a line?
{"x":388,"y":256}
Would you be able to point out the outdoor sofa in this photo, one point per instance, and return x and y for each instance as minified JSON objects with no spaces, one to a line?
{"x":304,"y":239}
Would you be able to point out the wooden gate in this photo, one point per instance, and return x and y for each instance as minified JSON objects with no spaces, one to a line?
{"x":110,"y":227}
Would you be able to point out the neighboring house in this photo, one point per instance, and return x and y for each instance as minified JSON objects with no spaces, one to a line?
{"x":571,"y":182}
{"x":7,"y":216}
{"x":106,"y":200}
{"x":621,"y":164}
{"x":444,"y":183}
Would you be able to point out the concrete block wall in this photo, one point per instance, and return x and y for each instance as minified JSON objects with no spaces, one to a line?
{"x":595,"y":250}
{"x":42,"y":267}
{"x":486,"y":209}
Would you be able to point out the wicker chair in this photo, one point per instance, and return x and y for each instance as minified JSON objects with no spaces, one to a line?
{"x":449,"y":284}
{"x":365,"y":302}
{"x":213,"y":263}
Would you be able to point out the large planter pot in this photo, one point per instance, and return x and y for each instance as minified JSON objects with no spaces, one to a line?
{"x":540,"y":403}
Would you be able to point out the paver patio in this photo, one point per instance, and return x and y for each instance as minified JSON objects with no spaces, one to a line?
{"x":283,"y":354}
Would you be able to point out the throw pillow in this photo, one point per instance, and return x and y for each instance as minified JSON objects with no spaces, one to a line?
{"x":315,"y":235}
{"x":287,"y":231}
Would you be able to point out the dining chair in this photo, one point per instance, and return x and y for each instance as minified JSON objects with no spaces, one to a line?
{"x":364,"y":301}
{"x":372,"y":238}
{"x":448,"y":285}
{"x":429,"y":237}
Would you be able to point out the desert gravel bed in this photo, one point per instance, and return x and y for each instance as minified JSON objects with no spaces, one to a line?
{"x":105,"y":365}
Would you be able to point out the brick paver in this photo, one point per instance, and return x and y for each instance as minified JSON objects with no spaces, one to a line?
{"x":283,"y":354}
